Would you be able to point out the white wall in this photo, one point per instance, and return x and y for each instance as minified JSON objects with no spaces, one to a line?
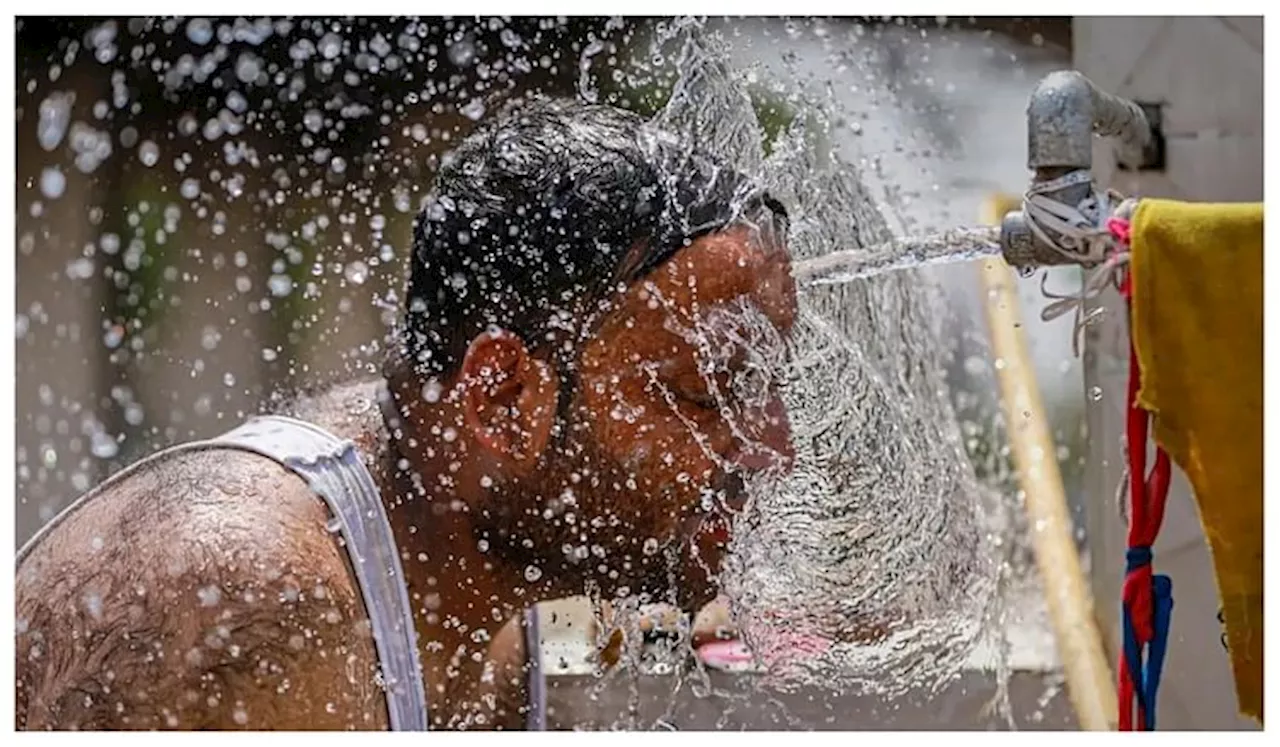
{"x":1208,"y":73}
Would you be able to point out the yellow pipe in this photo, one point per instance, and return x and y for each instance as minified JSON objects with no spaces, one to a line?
{"x":1090,"y":685}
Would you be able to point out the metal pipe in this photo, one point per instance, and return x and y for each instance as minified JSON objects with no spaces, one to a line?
{"x":1065,"y":111}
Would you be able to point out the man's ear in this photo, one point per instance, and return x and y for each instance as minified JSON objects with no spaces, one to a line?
{"x":509,"y":399}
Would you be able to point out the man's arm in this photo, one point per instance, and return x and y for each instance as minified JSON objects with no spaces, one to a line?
{"x":221,"y":604}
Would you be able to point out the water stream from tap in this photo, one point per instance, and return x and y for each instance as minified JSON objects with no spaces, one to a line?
{"x":955,"y":245}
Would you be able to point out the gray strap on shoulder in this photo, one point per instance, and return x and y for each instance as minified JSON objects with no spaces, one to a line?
{"x":333,"y":469}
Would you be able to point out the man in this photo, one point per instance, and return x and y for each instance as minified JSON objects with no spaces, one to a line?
{"x":543,"y":427}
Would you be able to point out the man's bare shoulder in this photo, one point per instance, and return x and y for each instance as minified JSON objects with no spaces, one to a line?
{"x":202,"y":591}
{"x":210,"y":496}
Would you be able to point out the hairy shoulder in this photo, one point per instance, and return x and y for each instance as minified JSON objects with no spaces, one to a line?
{"x":202,"y":592}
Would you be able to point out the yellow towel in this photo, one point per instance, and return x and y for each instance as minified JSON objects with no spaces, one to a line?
{"x":1197,"y":325}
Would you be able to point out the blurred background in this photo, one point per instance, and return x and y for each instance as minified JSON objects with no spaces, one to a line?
{"x":214,"y":213}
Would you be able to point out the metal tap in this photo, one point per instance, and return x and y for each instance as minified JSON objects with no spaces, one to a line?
{"x":1065,"y":112}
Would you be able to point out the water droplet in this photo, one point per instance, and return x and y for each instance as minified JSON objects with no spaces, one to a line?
{"x":133,"y":414}
{"x":103,"y":446}
{"x":313,"y":120}
{"x":209,"y":338}
{"x":462,"y":52}
{"x":330,"y":46}
{"x":240,"y":716}
{"x":209,"y":596}
{"x":80,"y":269}
{"x":148,"y":153}
{"x":52,"y":182}
{"x":248,"y":66}
{"x":93,"y":605}
{"x":474,"y":110}
{"x":532,"y":573}
{"x":113,"y":336}
{"x":55,"y":117}
{"x":200,"y":30}
{"x":975,"y":365}
{"x":280,"y":285}
{"x":1095,"y":393}
{"x":356,"y":272}
{"x":190,"y":188}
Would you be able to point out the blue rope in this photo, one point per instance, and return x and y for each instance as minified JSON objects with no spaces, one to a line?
{"x":1136,"y":557}
{"x":1147,"y":678}
{"x":1162,"y":603}
{"x":1133,"y":655}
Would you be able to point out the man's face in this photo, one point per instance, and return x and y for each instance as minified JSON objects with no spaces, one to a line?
{"x":672,"y":410}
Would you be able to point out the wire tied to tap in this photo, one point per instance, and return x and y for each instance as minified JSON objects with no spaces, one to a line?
{"x":1081,"y":233}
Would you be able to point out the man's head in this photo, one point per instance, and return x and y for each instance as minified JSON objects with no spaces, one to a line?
{"x":578,"y":284}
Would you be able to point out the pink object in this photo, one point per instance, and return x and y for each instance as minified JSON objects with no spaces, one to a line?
{"x":781,"y":648}
{"x":724,"y":654}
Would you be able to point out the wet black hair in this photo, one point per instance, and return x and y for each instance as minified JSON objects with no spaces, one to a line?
{"x":544,"y":211}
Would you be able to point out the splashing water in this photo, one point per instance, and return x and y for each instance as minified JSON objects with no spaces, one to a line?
{"x":865,"y":567}
{"x":957,"y":245}
{"x":873,"y":546}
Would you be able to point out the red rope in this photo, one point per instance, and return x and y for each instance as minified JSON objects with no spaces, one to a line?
{"x":1147,"y":496}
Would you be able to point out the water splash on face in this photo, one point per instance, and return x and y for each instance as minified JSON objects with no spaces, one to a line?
{"x":864,"y":567}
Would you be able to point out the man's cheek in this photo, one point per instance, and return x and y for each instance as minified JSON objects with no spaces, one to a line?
{"x":645,"y":442}
{"x":605,"y":419}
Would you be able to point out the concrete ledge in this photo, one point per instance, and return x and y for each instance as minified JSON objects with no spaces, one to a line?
{"x":655,"y":702}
